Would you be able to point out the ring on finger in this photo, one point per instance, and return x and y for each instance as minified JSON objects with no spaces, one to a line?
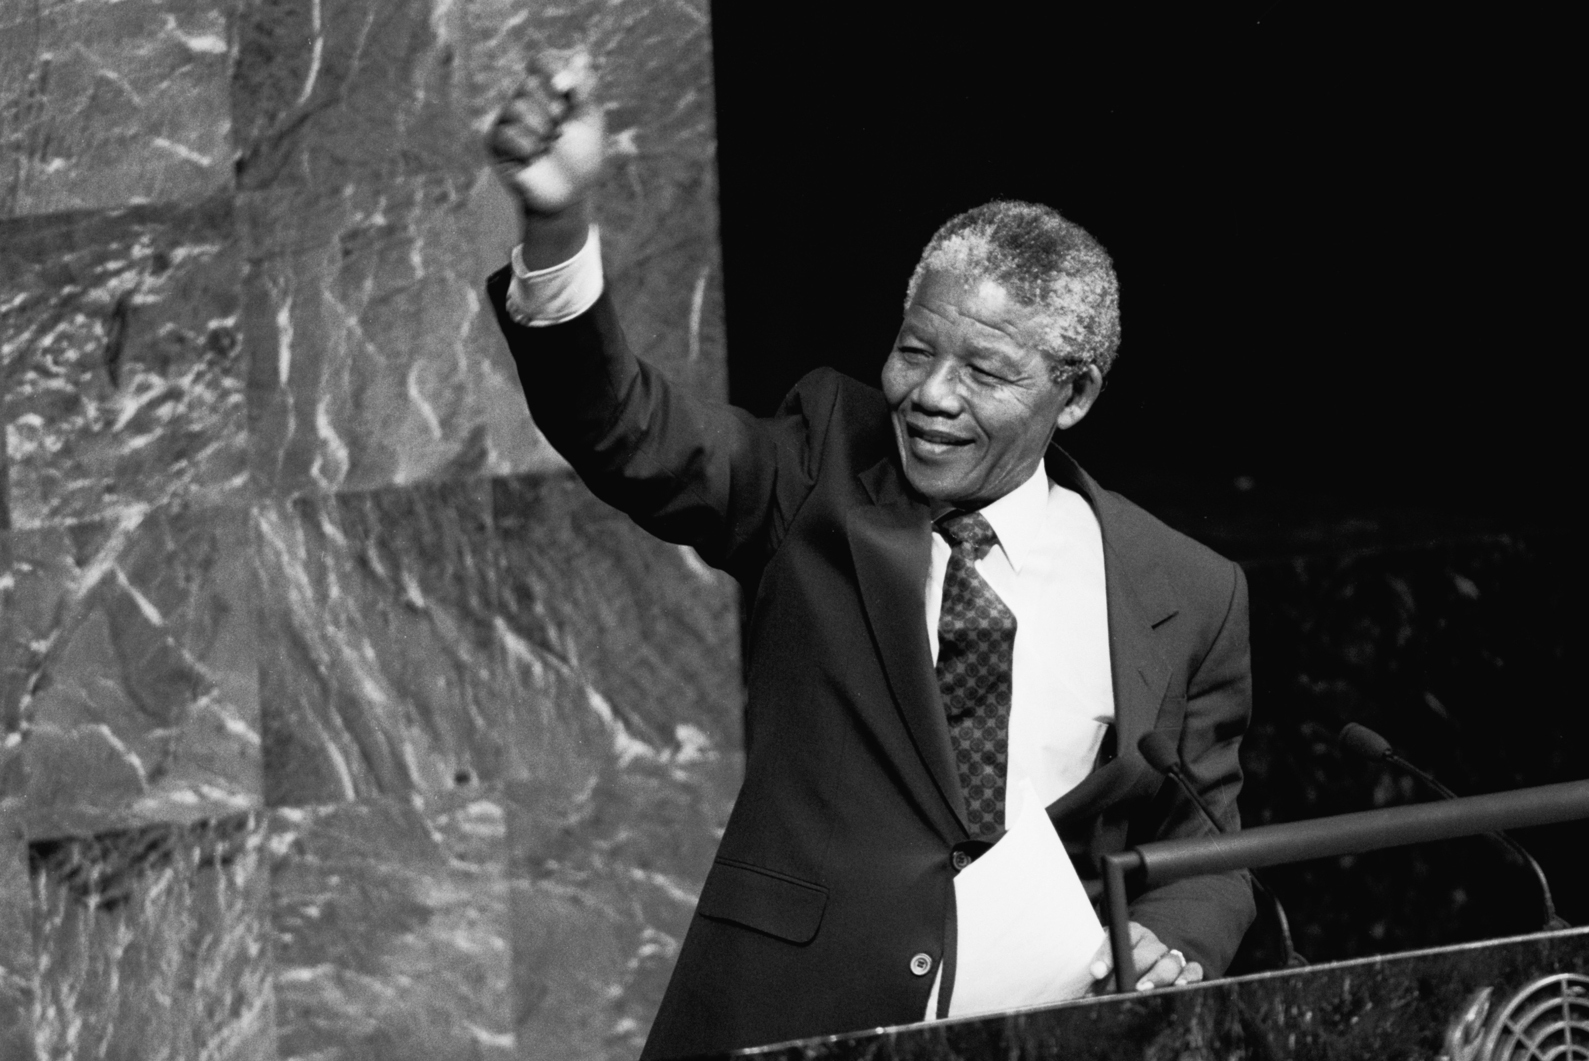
{"x":1179,"y":957}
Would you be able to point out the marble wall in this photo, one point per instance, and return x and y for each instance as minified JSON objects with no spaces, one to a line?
{"x":339,"y":721}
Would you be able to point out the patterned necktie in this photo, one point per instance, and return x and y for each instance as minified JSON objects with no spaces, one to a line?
{"x":976,"y":640}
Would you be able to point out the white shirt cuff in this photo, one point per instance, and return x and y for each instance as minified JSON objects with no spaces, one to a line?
{"x":559,"y":292}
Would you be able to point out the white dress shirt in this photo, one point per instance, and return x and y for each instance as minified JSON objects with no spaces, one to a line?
{"x":561,"y":292}
{"x":1048,"y":569}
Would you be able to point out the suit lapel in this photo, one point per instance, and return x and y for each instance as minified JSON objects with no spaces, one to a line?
{"x":1139,"y":601}
{"x":891,"y":543}
{"x":1139,"y":670}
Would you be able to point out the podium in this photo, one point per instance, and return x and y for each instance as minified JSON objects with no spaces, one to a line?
{"x":1499,"y":1000}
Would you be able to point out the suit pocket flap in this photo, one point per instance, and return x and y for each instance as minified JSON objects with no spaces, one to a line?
{"x":777,"y":905}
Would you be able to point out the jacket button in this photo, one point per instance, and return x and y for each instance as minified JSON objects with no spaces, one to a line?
{"x":961,"y":860}
{"x":921,"y":964}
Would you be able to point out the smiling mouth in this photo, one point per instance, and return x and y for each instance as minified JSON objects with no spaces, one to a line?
{"x":925,"y":438}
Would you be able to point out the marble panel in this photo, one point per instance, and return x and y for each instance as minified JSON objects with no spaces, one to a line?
{"x":13,"y":664}
{"x":647,"y":634}
{"x":422,"y":637}
{"x":378,"y":361}
{"x":121,"y":363}
{"x":16,"y":938}
{"x":373,"y":223}
{"x":379,"y":615}
{"x":132,"y":674}
{"x":623,"y":652}
{"x":390,"y":928}
{"x":604,"y":885}
{"x":152,"y":944}
{"x":328,"y":96}
{"x":658,"y":202}
{"x":109,"y":103}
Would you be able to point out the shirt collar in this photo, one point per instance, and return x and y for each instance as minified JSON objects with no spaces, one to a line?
{"x":1017,"y":517}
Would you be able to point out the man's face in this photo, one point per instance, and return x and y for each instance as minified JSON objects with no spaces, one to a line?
{"x":973,"y":403}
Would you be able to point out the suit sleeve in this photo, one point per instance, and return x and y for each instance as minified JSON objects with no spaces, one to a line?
{"x":689,"y":470}
{"x":1206,"y":917}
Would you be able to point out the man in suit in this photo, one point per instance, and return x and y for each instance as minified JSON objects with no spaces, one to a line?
{"x":943,"y":605}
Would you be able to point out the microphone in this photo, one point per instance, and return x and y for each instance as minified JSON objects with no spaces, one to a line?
{"x":1362,"y":741}
{"x":1159,"y":750}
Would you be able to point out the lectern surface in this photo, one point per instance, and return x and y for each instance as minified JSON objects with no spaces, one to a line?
{"x":1387,"y":1007}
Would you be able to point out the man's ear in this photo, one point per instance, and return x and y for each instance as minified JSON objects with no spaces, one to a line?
{"x":1084,"y":390}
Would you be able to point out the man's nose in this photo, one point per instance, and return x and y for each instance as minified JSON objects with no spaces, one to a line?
{"x":940,"y":391}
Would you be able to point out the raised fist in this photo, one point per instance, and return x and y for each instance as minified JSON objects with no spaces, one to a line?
{"x":548,"y":142}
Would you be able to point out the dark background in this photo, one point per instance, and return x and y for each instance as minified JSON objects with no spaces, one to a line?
{"x":1341,"y":233}
{"x":1345,"y":240}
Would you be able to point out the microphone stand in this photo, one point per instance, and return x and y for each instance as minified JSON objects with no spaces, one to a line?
{"x":1161,"y":754}
{"x":1360,"y":740}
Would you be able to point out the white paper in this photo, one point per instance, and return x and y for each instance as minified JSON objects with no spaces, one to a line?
{"x":1027,"y":933}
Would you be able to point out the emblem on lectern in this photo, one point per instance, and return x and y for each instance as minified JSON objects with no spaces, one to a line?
{"x":1548,"y":1018}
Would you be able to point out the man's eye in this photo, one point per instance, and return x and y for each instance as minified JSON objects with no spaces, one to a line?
{"x":913,"y":352}
{"x":983,"y":375}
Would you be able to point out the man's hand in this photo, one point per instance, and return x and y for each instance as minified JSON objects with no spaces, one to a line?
{"x":547,"y":145}
{"x":1156,"y":964}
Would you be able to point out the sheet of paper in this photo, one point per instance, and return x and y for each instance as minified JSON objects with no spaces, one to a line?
{"x":1027,"y":933}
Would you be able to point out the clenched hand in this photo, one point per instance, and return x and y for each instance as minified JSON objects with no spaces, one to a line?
{"x":547,"y":145}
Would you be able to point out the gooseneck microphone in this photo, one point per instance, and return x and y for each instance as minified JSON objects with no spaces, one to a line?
{"x":1159,"y":750}
{"x":1360,"y":740}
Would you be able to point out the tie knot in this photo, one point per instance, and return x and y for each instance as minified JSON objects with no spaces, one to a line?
{"x":969,"y":528}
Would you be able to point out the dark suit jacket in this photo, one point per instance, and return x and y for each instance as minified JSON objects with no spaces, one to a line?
{"x":835,"y":869}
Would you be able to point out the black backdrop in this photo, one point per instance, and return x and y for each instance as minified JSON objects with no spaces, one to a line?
{"x":1344,"y":237}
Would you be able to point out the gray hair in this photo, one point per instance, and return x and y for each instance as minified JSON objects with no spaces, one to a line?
{"x":1044,"y":262}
